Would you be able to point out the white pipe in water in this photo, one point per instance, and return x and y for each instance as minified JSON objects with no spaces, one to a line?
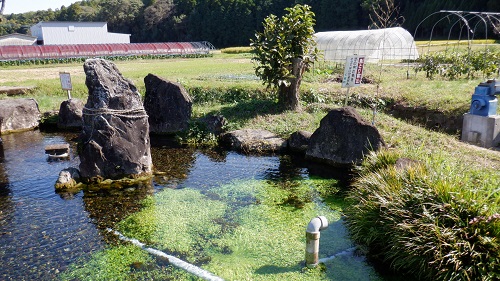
{"x":349,"y":251}
{"x":171,"y":259}
{"x":312,"y":239}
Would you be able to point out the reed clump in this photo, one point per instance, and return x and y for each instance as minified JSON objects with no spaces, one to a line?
{"x":421,"y":221}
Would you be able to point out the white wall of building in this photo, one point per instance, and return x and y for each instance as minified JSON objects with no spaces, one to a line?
{"x":65,"y":33}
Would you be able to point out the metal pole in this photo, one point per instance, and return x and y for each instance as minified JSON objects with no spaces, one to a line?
{"x":346,"y":97}
{"x":312,"y":240}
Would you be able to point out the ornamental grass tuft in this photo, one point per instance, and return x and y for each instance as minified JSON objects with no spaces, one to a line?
{"x":433,"y":225}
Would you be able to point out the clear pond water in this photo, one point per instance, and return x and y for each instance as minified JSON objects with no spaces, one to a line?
{"x":43,"y":232}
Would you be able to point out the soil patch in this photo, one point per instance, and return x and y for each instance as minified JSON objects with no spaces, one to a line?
{"x":432,"y":119}
{"x":39,"y":73}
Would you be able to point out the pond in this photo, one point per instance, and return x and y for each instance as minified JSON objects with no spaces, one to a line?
{"x":240,"y":217}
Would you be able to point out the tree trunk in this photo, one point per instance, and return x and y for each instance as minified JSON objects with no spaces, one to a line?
{"x":2,"y":7}
{"x":289,"y":95}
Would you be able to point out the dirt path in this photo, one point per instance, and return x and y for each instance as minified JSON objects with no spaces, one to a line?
{"x":37,"y":73}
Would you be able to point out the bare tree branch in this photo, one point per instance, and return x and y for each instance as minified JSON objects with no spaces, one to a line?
{"x":384,"y":14}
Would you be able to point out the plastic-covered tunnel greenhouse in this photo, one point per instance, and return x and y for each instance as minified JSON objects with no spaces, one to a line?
{"x":103,"y":50}
{"x":378,"y":44}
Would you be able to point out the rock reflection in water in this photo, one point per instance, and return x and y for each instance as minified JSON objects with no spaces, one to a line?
{"x":6,"y":205}
{"x":107,"y":208}
{"x":171,"y":165}
{"x":4,"y":181}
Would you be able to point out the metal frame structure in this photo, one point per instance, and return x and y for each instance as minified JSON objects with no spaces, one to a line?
{"x":468,"y":20}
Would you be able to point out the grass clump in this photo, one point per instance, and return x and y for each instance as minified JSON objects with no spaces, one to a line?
{"x":426,"y":220}
{"x":236,"y":50}
{"x":197,"y":135}
{"x":233,"y":94}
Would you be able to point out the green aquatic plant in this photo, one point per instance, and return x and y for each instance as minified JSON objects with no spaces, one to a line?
{"x":238,"y":231}
{"x":123,"y":263}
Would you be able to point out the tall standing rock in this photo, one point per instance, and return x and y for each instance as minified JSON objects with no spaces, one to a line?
{"x":167,"y":104}
{"x":115,"y":135}
{"x":343,"y":139}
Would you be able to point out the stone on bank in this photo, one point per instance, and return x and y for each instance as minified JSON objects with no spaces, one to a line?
{"x":343,"y":139}
{"x":168,"y":105}
{"x":70,"y":115}
{"x":19,"y":115}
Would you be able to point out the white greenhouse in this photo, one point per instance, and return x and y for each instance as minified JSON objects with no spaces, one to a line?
{"x":377,"y":44}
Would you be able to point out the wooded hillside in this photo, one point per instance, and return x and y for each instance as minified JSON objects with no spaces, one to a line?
{"x":233,"y":22}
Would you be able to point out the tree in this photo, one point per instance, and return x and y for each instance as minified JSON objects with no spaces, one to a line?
{"x":158,"y":22}
{"x":284,"y":50}
{"x":2,"y":7}
{"x":121,"y":15}
{"x":338,"y":14}
{"x":383,"y":13}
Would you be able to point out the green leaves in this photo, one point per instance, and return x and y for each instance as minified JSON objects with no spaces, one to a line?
{"x":284,"y":40}
{"x":453,"y":65}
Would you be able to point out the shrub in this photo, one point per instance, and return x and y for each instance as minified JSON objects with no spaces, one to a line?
{"x":236,"y":50}
{"x":423,"y":222}
{"x":226,"y":95}
{"x":197,"y":135}
{"x":453,"y":65}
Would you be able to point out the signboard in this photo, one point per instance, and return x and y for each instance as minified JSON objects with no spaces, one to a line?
{"x":65,"y":81}
{"x":353,"y":71}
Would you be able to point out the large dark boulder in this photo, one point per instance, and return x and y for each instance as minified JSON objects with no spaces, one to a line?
{"x":253,"y":141}
{"x":70,"y":115}
{"x":115,"y":135}
{"x":167,"y":104}
{"x":19,"y":115}
{"x":343,"y":138}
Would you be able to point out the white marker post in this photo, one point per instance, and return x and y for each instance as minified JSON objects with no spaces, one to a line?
{"x":66,"y":82}
{"x":353,"y":73}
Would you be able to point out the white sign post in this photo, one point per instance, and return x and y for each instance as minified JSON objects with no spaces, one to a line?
{"x":66,"y":82}
{"x":353,"y":73}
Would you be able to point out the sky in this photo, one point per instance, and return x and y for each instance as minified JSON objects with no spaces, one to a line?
{"x":22,"y":6}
